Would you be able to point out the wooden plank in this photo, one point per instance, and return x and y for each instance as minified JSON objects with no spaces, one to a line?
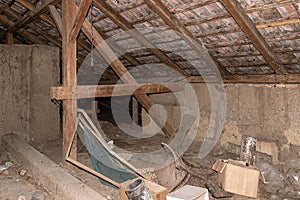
{"x":170,"y":19}
{"x":92,"y":171}
{"x":248,"y":27}
{"x":90,"y":91}
{"x":69,"y":75}
{"x":125,"y":25}
{"x":80,"y":17}
{"x":260,"y":79}
{"x":279,"y":23}
{"x":57,"y":18}
{"x":122,"y":72}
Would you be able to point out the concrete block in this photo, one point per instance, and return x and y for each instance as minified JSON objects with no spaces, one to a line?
{"x":61,"y":184}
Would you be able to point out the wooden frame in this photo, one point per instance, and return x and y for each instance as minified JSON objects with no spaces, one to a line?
{"x":89,"y":124}
{"x":90,"y":91}
{"x":249,"y":28}
{"x":73,"y":19}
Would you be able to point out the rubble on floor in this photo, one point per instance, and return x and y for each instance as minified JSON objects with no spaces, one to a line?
{"x":16,"y":183}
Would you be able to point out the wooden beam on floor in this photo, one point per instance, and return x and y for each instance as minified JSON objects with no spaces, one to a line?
{"x":69,"y":10}
{"x":107,"y":53}
{"x":80,"y":17}
{"x":126,"y":26}
{"x":170,"y":19}
{"x":248,"y":27}
{"x":267,"y":79}
{"x":90,"y":91}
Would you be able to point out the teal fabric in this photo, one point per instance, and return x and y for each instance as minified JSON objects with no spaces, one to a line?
{"x":102,"y":160}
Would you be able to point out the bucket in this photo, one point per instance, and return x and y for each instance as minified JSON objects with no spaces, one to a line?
{"x":248,"y":149}
{"x":137,"y":191}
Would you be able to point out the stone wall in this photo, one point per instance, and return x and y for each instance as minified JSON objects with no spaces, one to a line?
{"x":27,"y":73}
{"x":271,"y":113}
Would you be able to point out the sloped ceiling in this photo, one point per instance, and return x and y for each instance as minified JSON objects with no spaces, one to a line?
{"x":233,"y":48}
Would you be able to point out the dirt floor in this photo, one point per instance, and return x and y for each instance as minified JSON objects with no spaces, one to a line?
{"x":17,"y":183}
{"x":200,"y":169}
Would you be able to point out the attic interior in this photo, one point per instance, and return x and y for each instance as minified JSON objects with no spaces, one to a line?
{"x":150,"y":99}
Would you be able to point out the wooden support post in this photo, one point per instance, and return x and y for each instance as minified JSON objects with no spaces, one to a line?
{"x":80,"y":17}
{"x":135,"y":110}
{"x":9,"y":38}
{"x":123,"y":73}
{"x":69,"y":75}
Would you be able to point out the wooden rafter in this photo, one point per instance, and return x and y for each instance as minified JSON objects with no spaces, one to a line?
{"x":32,"y":26}
{"x":22,"y":31}
{"x":125,"y":25}
{"x":78,"y":92}
{"x":57,"y":18}
{"x":118,"y":67}
{"x":30,"y":36}
{"x":248,"y":27}
{"x":80,"y":17}
{"x":31,"y":16}
{"x":170,"y":19}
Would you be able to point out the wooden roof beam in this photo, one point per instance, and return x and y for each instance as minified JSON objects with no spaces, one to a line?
{"x":249,"y":28}
{"x":57,"y":18}
{"x":99,"y":42}
{"x":126,"y":26}
{"x":33,"y":14}
{"x":251,"y":79}
{"x":170,"y":19}
{"x":90,"y":91}
{"x":22,"y":31}
{"x":80,"y":17}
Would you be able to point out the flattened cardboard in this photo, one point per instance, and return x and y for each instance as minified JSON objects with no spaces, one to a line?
{"x":220,"y":165}
{"x":237,"y":178}
{"x":189,"y":192}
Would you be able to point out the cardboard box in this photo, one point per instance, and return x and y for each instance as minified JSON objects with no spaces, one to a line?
{"x":237,"y":178}
{"x":158,"y":192}
{"x":189,"y":192}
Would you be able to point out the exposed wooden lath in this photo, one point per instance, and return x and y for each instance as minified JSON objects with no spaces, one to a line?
{"x":175,"y":24}
{"x":277,"y":21}
{"x":118,"y":19}
{"x":251,"y":31}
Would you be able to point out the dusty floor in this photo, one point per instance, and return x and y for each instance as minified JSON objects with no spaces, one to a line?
{"x":16,"y":183}
{"x":202,"y":175}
